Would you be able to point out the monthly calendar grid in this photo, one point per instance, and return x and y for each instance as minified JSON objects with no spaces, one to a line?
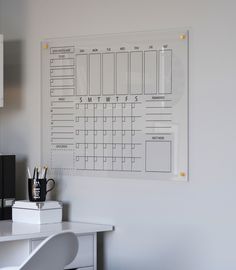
{"x":116,"y":134}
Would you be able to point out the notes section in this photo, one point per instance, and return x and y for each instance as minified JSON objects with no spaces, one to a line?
{"x":161,"y":162}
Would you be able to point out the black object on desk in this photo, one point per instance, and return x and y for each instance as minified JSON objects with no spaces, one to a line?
{"x":7,"y":185}
{"x":37,"y":189}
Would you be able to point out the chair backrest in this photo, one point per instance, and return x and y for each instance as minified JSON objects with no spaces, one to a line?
{"x":53,"y":253}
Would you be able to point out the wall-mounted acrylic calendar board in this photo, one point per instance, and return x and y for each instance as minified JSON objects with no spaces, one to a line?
{"x":116,"y":105}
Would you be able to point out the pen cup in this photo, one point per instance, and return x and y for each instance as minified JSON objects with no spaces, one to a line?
{"x":37,"y":189}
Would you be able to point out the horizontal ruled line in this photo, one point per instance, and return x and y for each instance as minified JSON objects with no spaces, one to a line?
{"x":158,"y":120}
{"x":53,"y":138}
{"x":110,"y":157}
{"x":108,"y":103}
{"x":62,"y":101}
{"x":136,"y":130}
{"x":106,"y":170}
{"x":61,"y":132}
{"x":157,"y":133}
{"x":164,"y":107}
{"x":158,"y":113}
{"x":62,"y":107}
{"x":108,"y":116}
{"x":62,"y":144}
{"x":62,"y":114}
{"x":109,"y":143}
{"x":54,"y":120}
{"x":158,"y":127}
{"x":158,"y":100}
{"x":63,"y":126}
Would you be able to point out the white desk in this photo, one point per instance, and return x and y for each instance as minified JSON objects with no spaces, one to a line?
{"x":17,"y":240}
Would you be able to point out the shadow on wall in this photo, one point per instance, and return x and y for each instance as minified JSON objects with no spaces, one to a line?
{"x":13,"y":96}
{"x":13,"y":74}
{"x":100,"y":255}
{"x":55,"y":194}
{"x":21,"y":178}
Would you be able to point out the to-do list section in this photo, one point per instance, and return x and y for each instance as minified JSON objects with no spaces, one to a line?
{"x":116,"y":105}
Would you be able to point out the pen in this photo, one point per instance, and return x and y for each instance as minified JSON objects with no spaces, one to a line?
{"x":37,"y":173}
{"x":45,"y":172}
{"x":29,"y":174}
{"x":42,"y":172}
{"x":34,"y":173}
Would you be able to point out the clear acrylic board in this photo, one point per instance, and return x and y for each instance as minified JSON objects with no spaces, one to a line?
{"x":116,"y":105}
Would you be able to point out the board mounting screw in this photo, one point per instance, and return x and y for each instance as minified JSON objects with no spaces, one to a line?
{"x":182,"y":37}
{"x":45,"y":46}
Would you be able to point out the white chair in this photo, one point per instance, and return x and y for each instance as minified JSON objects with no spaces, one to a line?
{"x":54,"y":253}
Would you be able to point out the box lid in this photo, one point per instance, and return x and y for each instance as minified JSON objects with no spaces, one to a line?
{"x":37,"y":205}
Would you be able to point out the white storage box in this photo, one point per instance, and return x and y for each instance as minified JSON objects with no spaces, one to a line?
{"x":37,"y":212}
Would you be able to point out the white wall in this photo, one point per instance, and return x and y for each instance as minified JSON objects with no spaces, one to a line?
{"x":159,"y":225}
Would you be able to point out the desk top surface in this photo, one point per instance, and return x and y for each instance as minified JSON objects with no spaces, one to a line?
{"x":11,"y":231}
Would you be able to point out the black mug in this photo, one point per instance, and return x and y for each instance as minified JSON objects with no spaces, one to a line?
{"x":37,"y":189}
